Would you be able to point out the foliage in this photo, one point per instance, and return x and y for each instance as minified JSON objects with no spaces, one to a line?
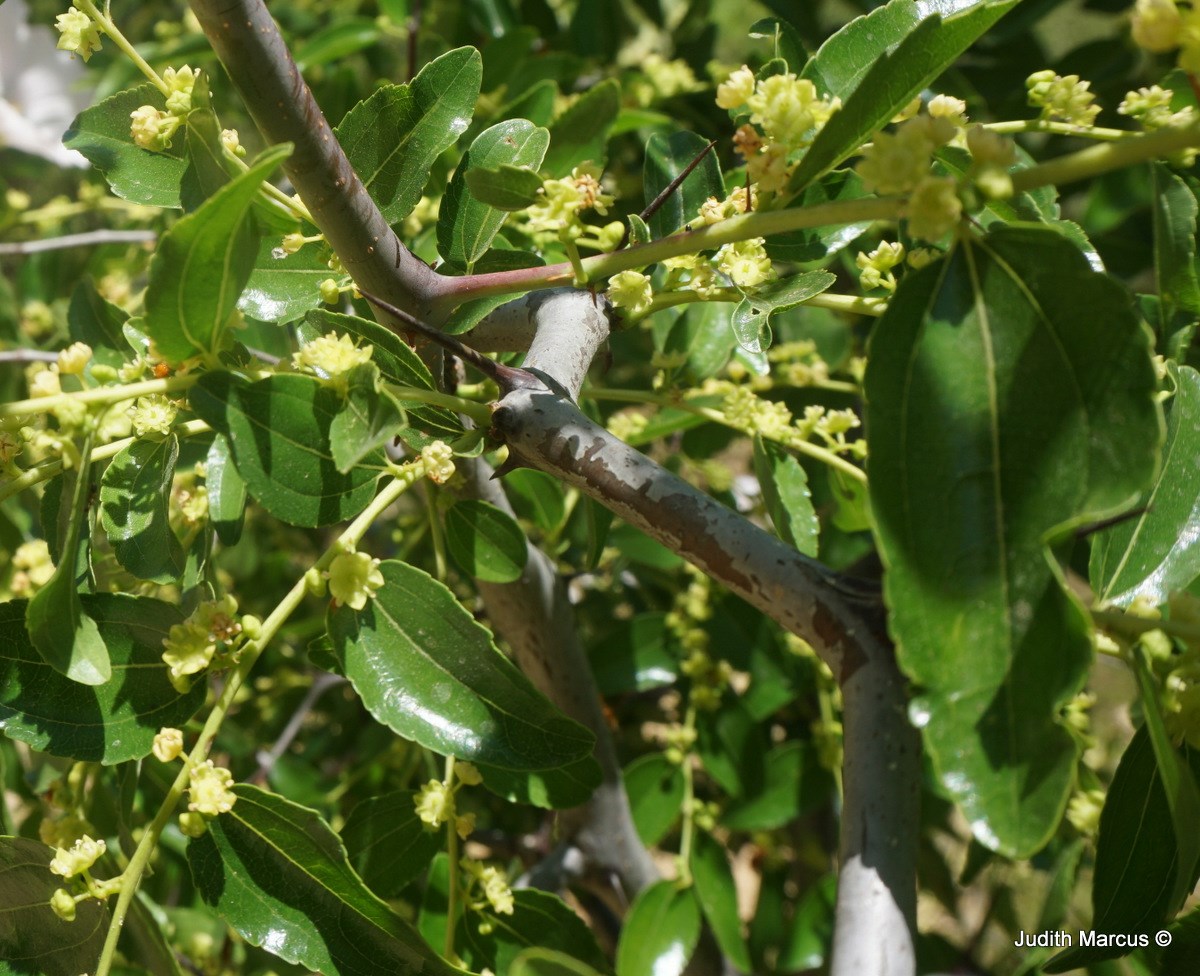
{"x":891,"y":281}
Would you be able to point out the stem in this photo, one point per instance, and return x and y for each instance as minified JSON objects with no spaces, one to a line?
{"x":250,"y":653}
{"x":481,"y":413}
{"x":1101,"y":159}
{"x":1060,"y":129}
{"x":86,"y":239}
{"x":821,"y":454}
{"x":1133,"y":627}
{"x":737,"y":228}
{"x":452,"y":854}
{"x":48,"y":469}
{"x":105,"y":394}
{"x":839,"y":303}
{"x":688,"y":831}
{"x":119,"y":39}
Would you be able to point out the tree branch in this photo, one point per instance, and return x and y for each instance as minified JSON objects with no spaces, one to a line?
{"x":250,"y":47}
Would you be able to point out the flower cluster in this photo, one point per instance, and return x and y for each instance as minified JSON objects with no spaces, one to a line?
{"x":83,"y":854}
{"x":438,"y":461}
{"x":78,"y":33}
{"x":331,"y":356}
{"x":788,"y":113}
{"x":876,"y":267}
{"x":631,"y":291}
{"x":898,"y":162}
{"x":492,"y":884}
{"x":1152,"y":107}
{"x":556,"y":214}
{"x":1062,"y":97}
{"x":189,"y":647}
{"x":168,"y":745}
{"x":745,"y":262}
{"x":666,"y":78}
{"x":32,"y":567}
{"x":152,"y":414}
{"x":152,"y":128}
{"x":209,"y":792}
{"x":435,"y":801}
{"x":692,"y":607}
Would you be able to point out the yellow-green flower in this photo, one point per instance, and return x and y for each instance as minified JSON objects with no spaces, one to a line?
{"x":745,"y":262}
{"x":438,"y":458}
{"x":62,"y":902}
{"x":209,"y":790}
{"x":152,"y":414}
{"x":74,"y":359}
{"x":82,"y":855}
{"x":434,"y":803}
{"x":630,"y":290}
{"x":353,"y":579}
{"x":77,"y":33}
{"x":168,"y":745}
{"x":934,"y":208}
{"x":331,"y":355}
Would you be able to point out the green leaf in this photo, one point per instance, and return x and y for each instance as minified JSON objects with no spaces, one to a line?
{"x":636,"y":655}
{"x":61,"y":630}
{"x":113,"y":723}
{"x":1174,"y":207}
{"x":485,"y":542}
{"x":393,"y":137}
{"x":885,"y":72}
{"x":427,"y":670}
{"x":101,"y":133}
{"x":817,"y":243}
{"x":435,"y":901}
{"x":551,"y":789}
{"x":369,"y":418}
{"x":388,"y":844}
{"x":785,"y":40}
{"x":1137,"y":855}
{"x":32,"y":938}
{"x":97,"y":322}
{"x":339,"y":40}
{"x":278,"y":428}
{"x":717,"y":895}
{"x":277,"y":873}
{"x":660,"y":932}
{"x":201,"y":265}
{"x":548,"y":962}
{"x":466,"y":226}
{"x":281,"y":289}
{"x":752,"y":317}
{"x":539,"y":920}
{"x":398,"y":364}
{"x":226,"y":491}
{"x":785,"y":492}
{"x":811,"y":931}
{"x":580,"y":133}
{"x":135,"y":495}
{"x":538,"y":497}
{"x":793,"y":781}
{"x":1158,"y":552}
{"x":505,"y":187}
{"x":655,"y":786}
{"x":1010,"y":397}
{"x":666,"y":158}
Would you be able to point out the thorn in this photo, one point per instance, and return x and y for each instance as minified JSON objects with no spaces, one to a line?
{"x":1093,"y":527}
{"x":656,"y":204}
{"x":506,"y":377}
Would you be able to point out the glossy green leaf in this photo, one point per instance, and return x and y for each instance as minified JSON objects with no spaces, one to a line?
{"x":387,"y":843}
{"x":1174,"y":208}
{"x":368,"y":420}
{"x":667,"y":157}
{"x":398,"y":363}
{"x":59,"y":627}
{"x":793,"y":781}
{"x":135,"y":496}
{"x":551,"y":789}
{"x":636,"y":655}
{"x":1137,"y":855}
{"x":884,"y":69}
{"x":713,"y":881}
{"x":539,"y":919}
{"x":752,"y":317}
{"x":96,"y":321}
{"x":660,"y":932}
{"x":32,"y":938}
{"x":548,"y":962}
{"x":655,"y":787}
{"x":201,"y":265}
{"x":226,"y":491}
{"x":282,"y":288}
{"x":101,"y":133}
{"x":1010,"y":396}
{"x":435,"y":901}
{"x":393,"y":137}
{"x":467,"y":226}
{"x":785,"y":492}
{"x":579,"y":135}
{"x":505,"y":187}
{"x":1158,"y":552}
{"x":276,"y":872}
{"x":207,"y":169}
{"x":427,"y":670}
{"x":485,"y":542}
{"x":115,"y":722}
{"x":785,"y":41}
{"x":278,"y":429}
